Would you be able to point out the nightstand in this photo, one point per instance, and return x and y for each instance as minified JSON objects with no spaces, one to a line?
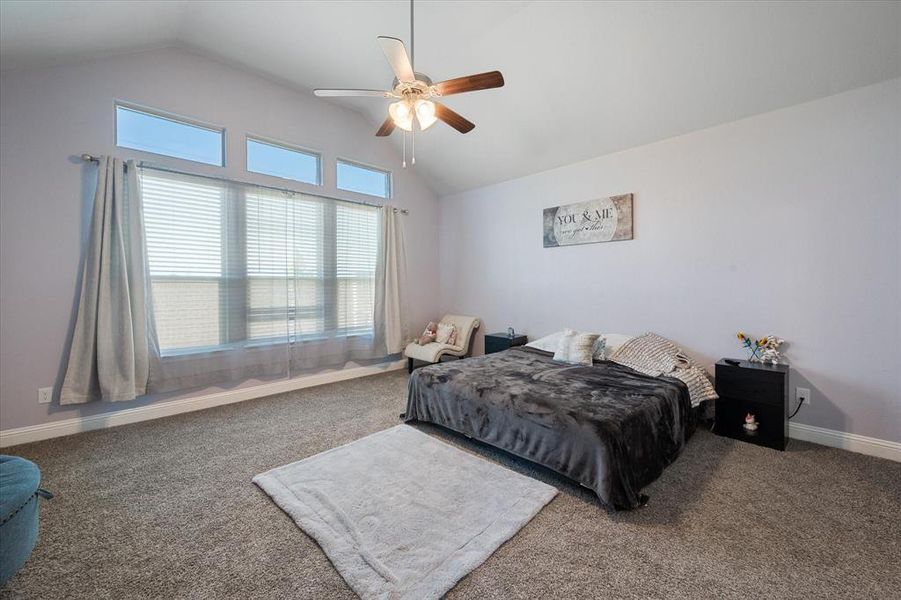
{"x":495,"y":342}
{"x":757,"y":388}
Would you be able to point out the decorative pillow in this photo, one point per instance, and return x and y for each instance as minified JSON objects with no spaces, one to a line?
{"x":445,"y":331}
{"x":452,"y":338}
{"x":599,"y":352}
{"x":576,"y":348}
{"x":428,"y":336}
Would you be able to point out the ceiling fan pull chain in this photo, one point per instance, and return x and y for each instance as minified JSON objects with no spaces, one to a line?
{"x":413,"y":146}
{"x":404,"y":164}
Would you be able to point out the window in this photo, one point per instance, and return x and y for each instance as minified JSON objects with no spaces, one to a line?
{"x":364,"y":180}
{"x":286,"y":266}
{"x":139,"y":129}
{"x":269,"y":158}
{"x":183,"y":226}
{"x":237,"y":265}
{"x":356,"y":249}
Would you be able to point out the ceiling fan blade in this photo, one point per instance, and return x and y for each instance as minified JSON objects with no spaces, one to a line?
{"x":386,"y":129}
{"x":471,"y":83}
{"x":453,"y":119}
{"x":397,"y":57}
{"x":339,"y":93}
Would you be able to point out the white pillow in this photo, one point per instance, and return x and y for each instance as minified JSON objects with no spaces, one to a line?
{"x":614,"y":341}
{"x":548,"y":343}
{"x":576,"y":348}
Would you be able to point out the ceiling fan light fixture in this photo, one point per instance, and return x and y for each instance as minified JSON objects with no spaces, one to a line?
{"x":425,"y":113}
{"x":412,"y":92}
{"x":402,"y":115}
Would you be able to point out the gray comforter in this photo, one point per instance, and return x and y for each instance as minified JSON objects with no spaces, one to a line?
{"x":605,"y":426}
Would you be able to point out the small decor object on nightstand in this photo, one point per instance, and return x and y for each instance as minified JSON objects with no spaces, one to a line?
{"x":497,"y":342}
{"x":764,"y":350}
{"x":750,"y":423}
{"x":510,"y":332}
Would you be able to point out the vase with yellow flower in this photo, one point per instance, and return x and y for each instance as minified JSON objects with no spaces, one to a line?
{"x":751,"y":345}
{"x":764,"y":350}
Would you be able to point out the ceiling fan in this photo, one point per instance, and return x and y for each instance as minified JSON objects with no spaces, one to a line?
{"x":414,"y":92}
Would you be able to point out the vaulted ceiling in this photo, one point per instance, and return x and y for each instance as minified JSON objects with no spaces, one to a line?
{"x":583,"y":78}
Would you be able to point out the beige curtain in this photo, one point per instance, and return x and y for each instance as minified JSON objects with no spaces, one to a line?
{"x":108,"y":358}
{"x":390,"y":282}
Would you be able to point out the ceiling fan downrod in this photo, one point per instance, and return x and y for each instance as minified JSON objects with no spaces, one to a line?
{"x":412,"y":40}
{"x":413,"y":67}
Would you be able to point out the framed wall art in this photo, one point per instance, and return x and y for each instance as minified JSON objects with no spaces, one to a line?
{"x":590,"y":222}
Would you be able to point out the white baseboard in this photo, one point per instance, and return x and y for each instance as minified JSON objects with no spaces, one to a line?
{"x":45,"y":431}
{"x":35,"y":433}
{"x":846,"y":441}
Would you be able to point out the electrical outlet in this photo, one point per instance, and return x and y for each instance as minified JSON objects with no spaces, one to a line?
{"x":45,"y":395}
{"x":802,"y":395}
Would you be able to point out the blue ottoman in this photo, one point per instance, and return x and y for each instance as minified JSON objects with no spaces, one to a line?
{"x":19,"y":480}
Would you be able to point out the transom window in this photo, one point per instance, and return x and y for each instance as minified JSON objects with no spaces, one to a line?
{"x":271,"y":158}
{"x":354,"y":177}
{"x":160,"y":133}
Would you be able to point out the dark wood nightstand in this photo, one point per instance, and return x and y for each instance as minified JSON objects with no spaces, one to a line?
{"x":757,"y":388}
{"x":495,"y":342}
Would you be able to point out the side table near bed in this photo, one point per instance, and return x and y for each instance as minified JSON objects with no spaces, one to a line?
{"x":752,"y":388}
{"x":496,"y":342}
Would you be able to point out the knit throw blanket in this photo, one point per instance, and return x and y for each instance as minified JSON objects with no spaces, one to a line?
{"x":654,"y":355}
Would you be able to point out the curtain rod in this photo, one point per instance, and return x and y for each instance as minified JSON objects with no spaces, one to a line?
{"x":91,"y":158}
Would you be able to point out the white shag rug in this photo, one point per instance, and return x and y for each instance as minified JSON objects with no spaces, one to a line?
{"x":403,"y":515}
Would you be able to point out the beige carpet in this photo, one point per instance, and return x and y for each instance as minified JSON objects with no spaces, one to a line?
{"x":140,"y":513}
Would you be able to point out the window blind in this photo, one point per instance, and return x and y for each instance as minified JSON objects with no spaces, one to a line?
{"x":356,"y":244}
{"x":184,"y":225}
{"x":235,"y":265}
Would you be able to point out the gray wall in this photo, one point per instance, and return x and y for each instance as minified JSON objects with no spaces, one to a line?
{"x":49,"y":116}
{"x":784,"y":223}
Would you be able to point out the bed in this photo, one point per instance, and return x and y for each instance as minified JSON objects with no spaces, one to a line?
{"x":605,"y":426}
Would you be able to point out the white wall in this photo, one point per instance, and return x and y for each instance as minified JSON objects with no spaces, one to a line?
{"x":784,"y":223}
{"x":50,"y":116}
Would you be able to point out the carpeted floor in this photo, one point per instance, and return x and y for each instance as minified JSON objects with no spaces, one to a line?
{"x":166,"y":509}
